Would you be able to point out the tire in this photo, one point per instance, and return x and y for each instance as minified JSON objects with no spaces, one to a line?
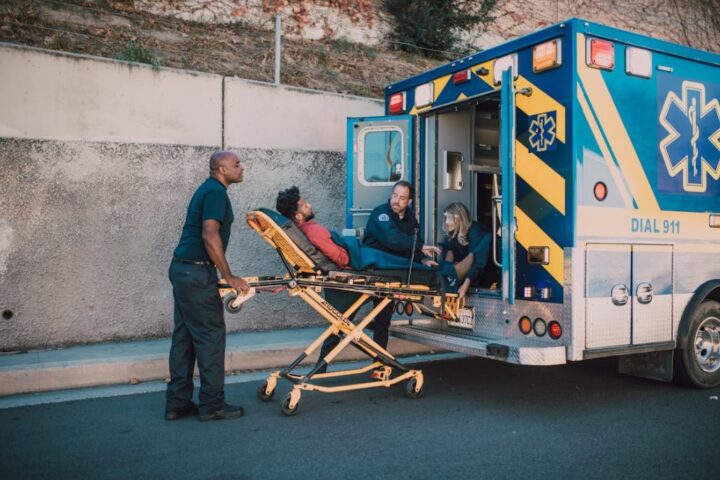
{"x":227,"y":300}
{"x":410,"y":390}
{"x":262,"y":393}
{"x":286,"y":410}
{"x":697,"y":361}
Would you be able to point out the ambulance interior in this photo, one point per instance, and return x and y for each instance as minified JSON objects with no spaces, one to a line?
{"x":466,"y":161}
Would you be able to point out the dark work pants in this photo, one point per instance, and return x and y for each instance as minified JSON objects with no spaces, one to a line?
{"x":199,"y":333}
{"x":342,"y":301}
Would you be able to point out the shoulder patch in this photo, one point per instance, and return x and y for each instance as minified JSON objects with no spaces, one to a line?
{"x":383,"y":217}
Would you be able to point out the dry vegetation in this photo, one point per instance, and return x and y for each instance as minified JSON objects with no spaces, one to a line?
{"x":114,"y":29}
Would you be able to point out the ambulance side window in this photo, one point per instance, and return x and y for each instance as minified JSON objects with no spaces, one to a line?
{"x":380,"y":155}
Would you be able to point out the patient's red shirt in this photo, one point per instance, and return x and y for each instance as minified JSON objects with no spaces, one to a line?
{"x":320,"y":237}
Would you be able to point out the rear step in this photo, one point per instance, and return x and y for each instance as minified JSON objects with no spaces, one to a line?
{"x":523,"y":352}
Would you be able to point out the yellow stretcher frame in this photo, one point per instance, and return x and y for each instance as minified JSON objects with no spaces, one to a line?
{"x":304,"y":280}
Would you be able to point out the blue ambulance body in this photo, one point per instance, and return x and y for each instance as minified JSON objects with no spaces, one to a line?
{"x":593,"y":154}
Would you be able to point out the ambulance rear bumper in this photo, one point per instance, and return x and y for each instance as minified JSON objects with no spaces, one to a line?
{"x":519,"y":352}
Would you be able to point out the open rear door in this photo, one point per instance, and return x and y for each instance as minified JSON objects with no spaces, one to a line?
{"x":507,"y":165}
{"x":379,"y":153}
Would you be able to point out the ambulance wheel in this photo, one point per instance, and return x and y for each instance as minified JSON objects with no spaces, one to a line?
{"x":697,"y":362}
{"x":227,"y":300}
{"x":262,"y":392}
{"x":286,"y":410}
{"x":411,"y":389}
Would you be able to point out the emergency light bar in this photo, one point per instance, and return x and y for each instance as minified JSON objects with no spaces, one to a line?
{"x":424,"y":95}
{"x":600,"y":54}
{"x":461,"y":77}
{"x":547,"y":55}
{"x":638,"y":62}
{"x":502,"y":64}
{"x":397,"y":103}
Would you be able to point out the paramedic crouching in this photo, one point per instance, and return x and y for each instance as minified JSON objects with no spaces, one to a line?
{"x":393,"y":228}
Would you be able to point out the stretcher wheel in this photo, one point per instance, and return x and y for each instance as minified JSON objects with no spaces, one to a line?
{"x":286,"y":410}
{"x":262,"y":392}
{"x":410,"y":389}
{"x":227,"y":300}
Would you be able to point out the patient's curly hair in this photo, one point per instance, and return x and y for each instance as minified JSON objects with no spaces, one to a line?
{"x":287,"y":202}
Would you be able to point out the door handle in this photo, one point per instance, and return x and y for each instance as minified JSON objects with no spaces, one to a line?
{"x":644,"y":292}
{"x":496,"y":203}
{"x":620,"y":294}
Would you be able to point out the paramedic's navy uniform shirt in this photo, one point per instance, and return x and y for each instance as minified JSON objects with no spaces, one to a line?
{"x":386,"y":231}
{"x":210,"y":202}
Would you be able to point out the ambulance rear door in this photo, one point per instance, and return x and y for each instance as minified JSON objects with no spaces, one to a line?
{"x":379,"y":153}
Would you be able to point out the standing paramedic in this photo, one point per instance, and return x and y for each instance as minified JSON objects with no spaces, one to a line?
{"x":393,"y":228}
{"x":199,"y":332}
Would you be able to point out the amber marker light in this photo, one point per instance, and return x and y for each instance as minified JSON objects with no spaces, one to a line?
{"x":525,"y":325}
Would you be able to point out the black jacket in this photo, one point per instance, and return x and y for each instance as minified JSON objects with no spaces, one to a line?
{"x":386,"y":231}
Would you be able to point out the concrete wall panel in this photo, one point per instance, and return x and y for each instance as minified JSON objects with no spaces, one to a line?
{"x":267,"y":116}
{"x":54,"y":96}
{"x":87,"y":231}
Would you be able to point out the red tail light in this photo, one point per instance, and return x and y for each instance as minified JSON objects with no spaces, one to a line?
{"x":461,"y":77}
{"x":554,"y":330}
{"x":397,"y":103}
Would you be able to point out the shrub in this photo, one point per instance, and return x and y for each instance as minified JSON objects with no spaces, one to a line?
{"x":433,"y":27}
{"x":136,"y":51}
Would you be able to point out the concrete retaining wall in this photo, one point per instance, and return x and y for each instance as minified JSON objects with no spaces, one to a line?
{"x":98,"y":160}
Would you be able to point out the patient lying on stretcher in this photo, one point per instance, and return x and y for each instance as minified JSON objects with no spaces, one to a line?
{"x":343,"y":252}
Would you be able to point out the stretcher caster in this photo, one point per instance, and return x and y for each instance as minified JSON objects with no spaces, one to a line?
{"x":264,"y":393}
{"x":227,"y":302}
{"x":290,"y":403}
{"x":413,"y":388}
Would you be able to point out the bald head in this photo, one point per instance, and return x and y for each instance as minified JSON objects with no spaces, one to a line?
{"x":225,"y":166}
{"x":217,"y":159}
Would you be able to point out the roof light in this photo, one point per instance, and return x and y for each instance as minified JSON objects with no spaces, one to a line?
{"x":502,"y":64}
{"x":547,"y":55}
{"x":714,"y":220}
{"x":462,"y":77}
{"x":554,"y":330}
{"x":600,"y":191}
{"x":424,"y":95}
{"x":539,"y":327}
{"x":397,"y":103}
{"x":600,"y":54}
{"x":525,"y":325}
{"x":638,"y":62}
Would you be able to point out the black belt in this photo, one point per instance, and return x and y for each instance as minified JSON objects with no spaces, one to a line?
{"x":192,"y":262}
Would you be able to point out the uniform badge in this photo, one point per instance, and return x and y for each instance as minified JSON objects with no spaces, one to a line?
{"x":383,"y":217}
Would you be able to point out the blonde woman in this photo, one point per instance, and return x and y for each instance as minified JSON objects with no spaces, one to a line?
{"x":465,"y":250}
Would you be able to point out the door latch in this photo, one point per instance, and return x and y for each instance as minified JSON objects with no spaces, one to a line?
{"x":644,"y":292}
{"x":620,"y":294}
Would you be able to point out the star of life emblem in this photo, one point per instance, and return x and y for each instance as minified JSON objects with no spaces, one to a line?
{"x":692,"y":143}
{"x":542,"y":131}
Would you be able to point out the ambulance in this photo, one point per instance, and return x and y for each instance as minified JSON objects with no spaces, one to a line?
{"x":592,"y":155}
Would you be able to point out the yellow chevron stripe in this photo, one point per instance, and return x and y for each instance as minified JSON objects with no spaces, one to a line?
{"x":529,"y":234}
{"x":595,"y":129}
{"x":610,"y":121}
{"x":438,"y":86}
{"x":540,"y":177}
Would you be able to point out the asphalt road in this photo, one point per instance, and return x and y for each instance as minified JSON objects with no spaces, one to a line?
{"x":476,"y":419}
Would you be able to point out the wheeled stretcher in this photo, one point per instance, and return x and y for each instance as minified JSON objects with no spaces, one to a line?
{"x":308,"y":273}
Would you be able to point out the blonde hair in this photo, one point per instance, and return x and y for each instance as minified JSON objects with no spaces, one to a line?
{"x":461,"y":217}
